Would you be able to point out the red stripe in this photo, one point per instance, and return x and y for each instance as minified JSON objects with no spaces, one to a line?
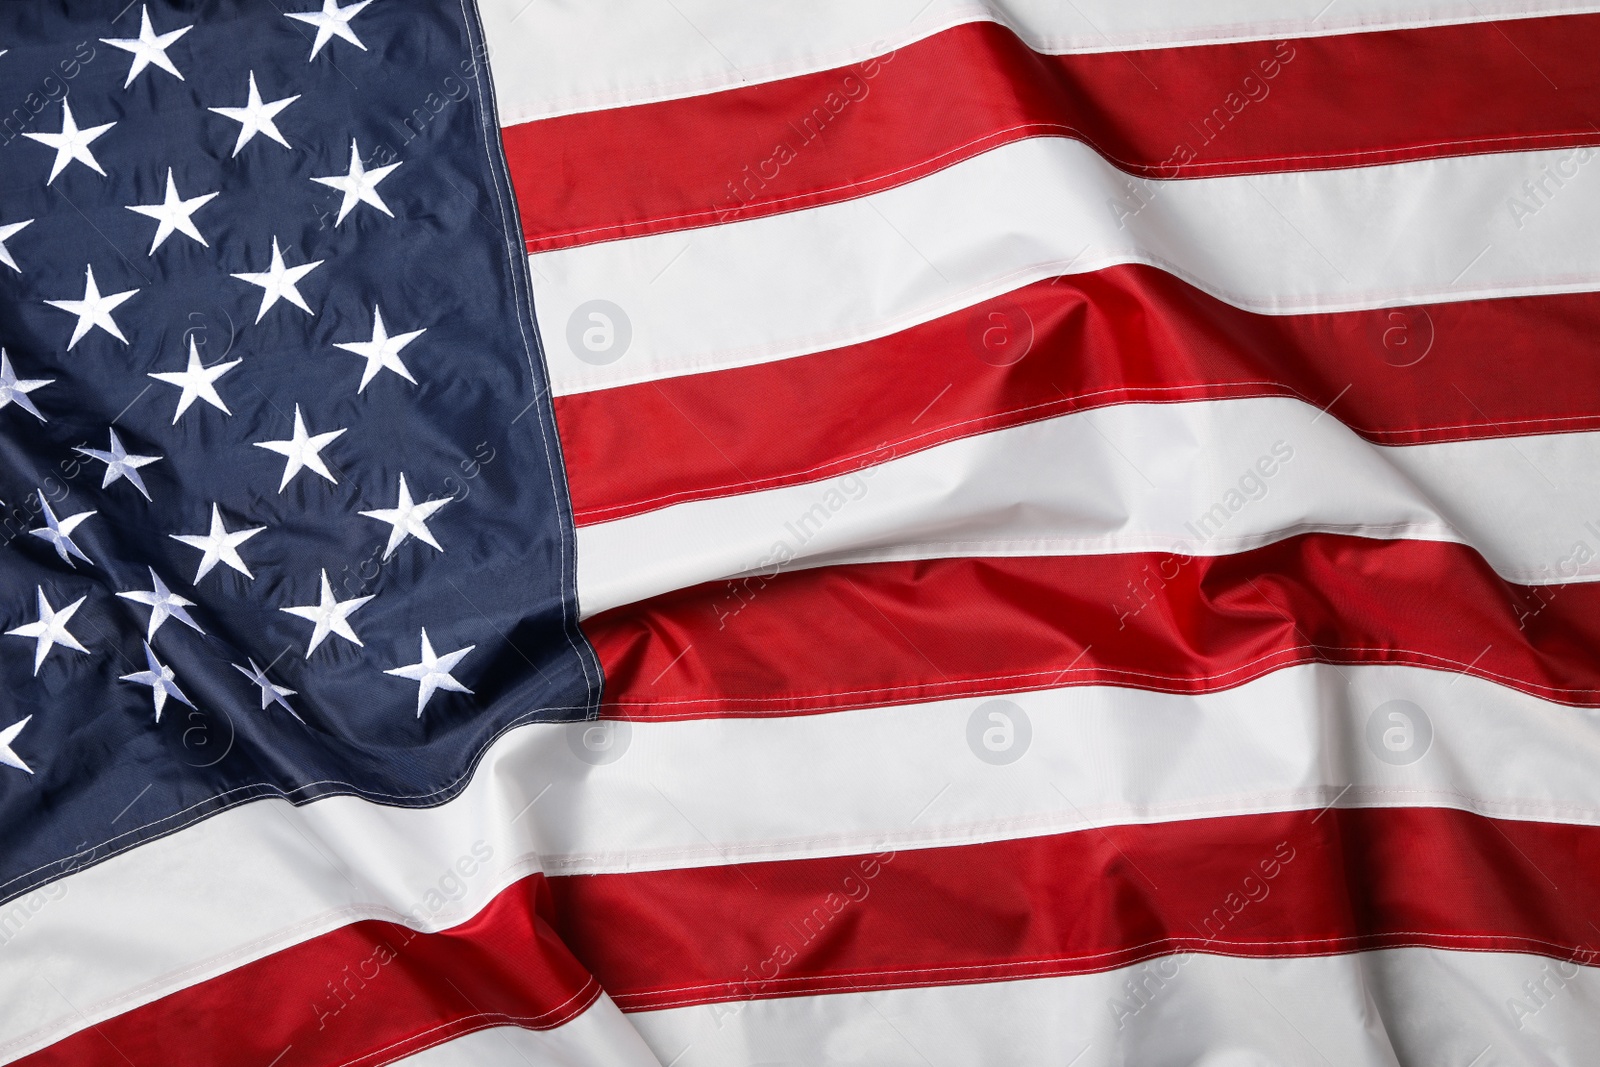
{"x":1442,"y":372}
{"x":1338,"y":101}
{"x":358,"y":996}
{"x":1291,"y":884}
{"x":1283,"y":884}
{"x":871,"y":634}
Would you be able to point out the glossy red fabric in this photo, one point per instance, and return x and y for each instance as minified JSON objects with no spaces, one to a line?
{"x":1128,"y":334}
{"x":364,"y":994}
{"x":1301,"y":883}
{"x":1250,"y":107}
{"x":874,"y":634}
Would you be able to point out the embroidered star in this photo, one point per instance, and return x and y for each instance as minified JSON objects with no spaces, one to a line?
{"x":218,"y":545}
{"x":270,"y":694}
{"x":408,"y":519}
{"x":93,"y":310}
{"x":8,"y":736}
{"x":163,"y":603}
{"x":6,"y":233}
{"x":71,"y":143}
{"x":256,"y":117}
{"x":332,"y":21}
{"x":278,"y":282}
{"x":162,"y":681}
{"x":359,"y":185}
{"x":149,"y":48}
{"x":302,"y":450}
{"x":432,"y":673}
{"x":329,"y":616}
{"x":174,"y":214}
{"x":197,"y":382}
{"x":382,"y":352}
{"x":120,"y":463}
{"x":50,"y":630}
{"x":59,"y":532}
{"x":14,"y":390}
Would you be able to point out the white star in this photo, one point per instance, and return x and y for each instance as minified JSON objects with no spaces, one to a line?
{"x":6,"y":233}
{"x":302,"y":450}
{"x":270,"y":694}
{"x":382,"y":352}
{"x":14,"y":390}
{"x":149,"y":47}
{"x":164,"y":604}
{"x":359,"y":185}
{"x":332,"y":21}
{"x":408,"y":519}
{"x":8,"y":736}
{"x":329,"y":616}
{"x":59,"y":533}
{"x":432,"y":673}
{"x":50,"y":630}
{"x":174,"y":214}
{"x":278,"y":282}
{"x":71,"y":143}
{"x":197,"y":381}
{"x":120,"y":463}
{"x":217,"y":545}
{"x":162,"y":682}
{"x":93,"y":310}
{"x":256,"y":117}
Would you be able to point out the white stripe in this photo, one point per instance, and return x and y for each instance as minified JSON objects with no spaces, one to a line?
{"x":1128,"y":478}
{"x":708,"y":792}
{"x":1368,"y":1009}
{"x":551,"y":57}
{"x":601,"y":1037}
{"x":253,"y":880}
{"x":265,"y":876}
{"x":765,"y":289}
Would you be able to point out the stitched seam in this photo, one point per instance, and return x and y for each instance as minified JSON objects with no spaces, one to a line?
{"x":1247,"y":671}
{"x":946,"y":158}
{"x":822,"y":62}
{"x":967,"y":428}
{"x":916,"y":977}
{"x":223,"y":801}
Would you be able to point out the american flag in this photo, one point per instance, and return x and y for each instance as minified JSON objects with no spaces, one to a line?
{"x":727,"y":533}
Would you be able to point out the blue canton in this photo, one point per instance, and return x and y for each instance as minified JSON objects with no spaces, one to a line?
{"x":283,"y":511}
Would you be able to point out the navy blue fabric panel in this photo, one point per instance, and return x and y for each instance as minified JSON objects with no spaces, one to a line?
{"x":461,"y":411}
